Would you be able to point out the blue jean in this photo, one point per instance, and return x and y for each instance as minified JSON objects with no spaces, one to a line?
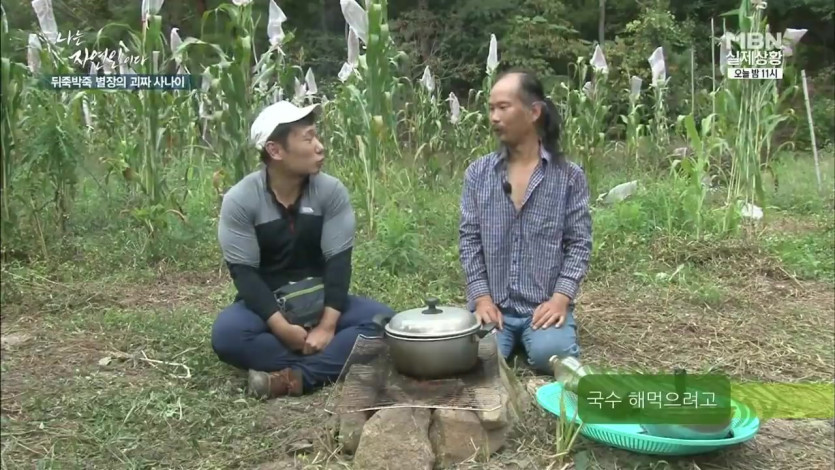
{"x":539,"y":344}
{"x":242,"y":339}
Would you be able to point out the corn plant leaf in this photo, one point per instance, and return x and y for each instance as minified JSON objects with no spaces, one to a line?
{"x":693,"y":134}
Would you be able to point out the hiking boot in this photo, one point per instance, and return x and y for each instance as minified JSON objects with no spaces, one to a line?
{"x":275,"y":384}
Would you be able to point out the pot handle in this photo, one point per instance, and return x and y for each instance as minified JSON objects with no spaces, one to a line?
{"x":382,"y":319}
{"x":485,"y":329}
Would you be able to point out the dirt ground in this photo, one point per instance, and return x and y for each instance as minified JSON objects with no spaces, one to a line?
{"x":99,"y":375}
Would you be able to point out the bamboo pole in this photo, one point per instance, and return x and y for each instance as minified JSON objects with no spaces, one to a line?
{"x":811,"y":127}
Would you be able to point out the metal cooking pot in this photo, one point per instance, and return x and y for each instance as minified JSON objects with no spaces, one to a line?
{"x":433,"y":342}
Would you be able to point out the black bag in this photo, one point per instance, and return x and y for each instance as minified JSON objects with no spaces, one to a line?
{"x":302,"y":302}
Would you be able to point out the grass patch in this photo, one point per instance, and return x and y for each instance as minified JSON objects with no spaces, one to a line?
{"x":83,"y":390}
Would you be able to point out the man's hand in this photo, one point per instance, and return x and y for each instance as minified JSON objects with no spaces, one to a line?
{"x":320,"y":336}
{"x":487,"y":312}
{"x":550,"y":312}
{"x":293,"y":336}
{"x":318,"y":339}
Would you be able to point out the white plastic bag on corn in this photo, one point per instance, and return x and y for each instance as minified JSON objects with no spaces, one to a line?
{"x":427,"y":81}
{"x":356,"y":18}
{"x":618,"y":193}
{"x":454,"y":108}
{"x":751,"y":211}
{"x":790,"y":39}
{"x":724,"y":49}
{"x":635,"y":87}
{"x":33,"y":53}
{"x":150,"y":7}
{"x":310,"y":83}
{"x":299,"y":89}
{"x":175,"y":41}
{"x":793,"y":36}
{"x":345,"y":72}
{"x":588,"y":89}
{"x":493,"y":55}
{"x":598,"y":60}
{"x":659,"y":68}
{"x":275,"y":31}
{"x":242,"y":3}
{"x":88,"y":117}
{"x":107,"y":64}
{"x":353,"y":48}
{"x":124,"y":60}
{"x":46,"y":19}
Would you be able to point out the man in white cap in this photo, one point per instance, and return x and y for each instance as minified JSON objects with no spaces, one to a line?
{"x":289,"y":224}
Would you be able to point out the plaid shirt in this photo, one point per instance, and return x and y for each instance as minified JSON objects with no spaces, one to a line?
{"x":522,"y":258}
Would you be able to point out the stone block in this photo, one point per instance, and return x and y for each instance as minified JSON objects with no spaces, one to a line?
{"x":396,"y":437}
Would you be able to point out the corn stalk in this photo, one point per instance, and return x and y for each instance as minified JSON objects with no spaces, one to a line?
{"x":586,"y":122}
{"x":750,"y":111}
{"x":376,"y":102}
{"x":55,"y":149}
{"x":634,"y":127}
{"x":12,"y":82}
{"x":692,"y":172}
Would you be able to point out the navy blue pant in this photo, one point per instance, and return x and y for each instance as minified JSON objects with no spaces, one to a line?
{"x":242,"y":339}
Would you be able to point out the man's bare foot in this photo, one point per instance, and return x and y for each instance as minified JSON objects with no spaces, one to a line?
{"x":275,"y":384}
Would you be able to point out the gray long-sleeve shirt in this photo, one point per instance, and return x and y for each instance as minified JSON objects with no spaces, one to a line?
{"x":522,"y":258}
{"x":267,"y":245}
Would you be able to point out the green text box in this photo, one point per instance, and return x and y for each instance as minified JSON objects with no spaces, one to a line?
{"x":697,"y":399}
{"x":787,"y":400}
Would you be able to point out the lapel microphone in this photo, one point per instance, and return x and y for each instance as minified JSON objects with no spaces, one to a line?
{"x":506,"y":187}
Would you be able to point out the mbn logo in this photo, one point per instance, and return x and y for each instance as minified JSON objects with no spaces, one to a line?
{"x":757,"y":41}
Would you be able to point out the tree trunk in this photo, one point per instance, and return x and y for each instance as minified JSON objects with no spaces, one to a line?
{"x":424,"y":47}
{"x":602,"y":23}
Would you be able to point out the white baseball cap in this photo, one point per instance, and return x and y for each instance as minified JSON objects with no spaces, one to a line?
{"x":270,"y":117}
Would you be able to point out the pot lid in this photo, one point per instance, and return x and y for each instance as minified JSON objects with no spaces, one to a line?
{"x":432,"y":321}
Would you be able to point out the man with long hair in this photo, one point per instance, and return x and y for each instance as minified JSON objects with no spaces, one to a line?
{"x":525,"y":228}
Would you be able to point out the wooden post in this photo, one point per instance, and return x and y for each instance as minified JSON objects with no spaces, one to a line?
{"x":693,"y":83}
{"x":713,"y":65}
{"x":811,"y":127}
